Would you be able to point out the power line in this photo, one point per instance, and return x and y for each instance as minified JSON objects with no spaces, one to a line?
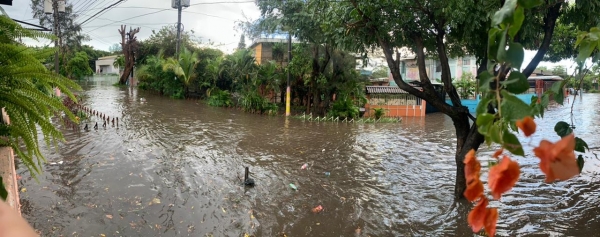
{"x":106,"y":8}
{"x":156,"y":8}
{"x":98,"y":3}
{"x":151,"y":24}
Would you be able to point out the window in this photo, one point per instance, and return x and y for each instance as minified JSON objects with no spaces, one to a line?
{"x":466,"y":61}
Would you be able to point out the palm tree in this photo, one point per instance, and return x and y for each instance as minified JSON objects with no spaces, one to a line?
{"x":119,"y":62}
{"x":184,"y":68}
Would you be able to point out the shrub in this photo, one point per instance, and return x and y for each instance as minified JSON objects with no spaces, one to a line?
{"x":220,"y":98}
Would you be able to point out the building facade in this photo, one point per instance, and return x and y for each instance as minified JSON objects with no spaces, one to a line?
{"x":458,"y":66}
{"x":105,"y":65}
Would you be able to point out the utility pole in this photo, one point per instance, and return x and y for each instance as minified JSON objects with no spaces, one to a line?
{"x":56,"y":33}
{"x":178,"y":28}
{"x":288,"y":94}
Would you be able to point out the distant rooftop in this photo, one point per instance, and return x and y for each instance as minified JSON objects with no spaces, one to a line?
{"x":385,"y":90}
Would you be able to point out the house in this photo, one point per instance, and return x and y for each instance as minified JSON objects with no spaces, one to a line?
{"x":395,"y":101}
{"x":458,"y":66}
{"x":105,"y":65}
{"x":271,"y":49}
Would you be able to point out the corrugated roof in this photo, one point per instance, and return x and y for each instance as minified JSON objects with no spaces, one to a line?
{"x":385,"y":90}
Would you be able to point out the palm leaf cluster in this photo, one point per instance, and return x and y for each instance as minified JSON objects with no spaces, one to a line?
{"x":26,"y":87}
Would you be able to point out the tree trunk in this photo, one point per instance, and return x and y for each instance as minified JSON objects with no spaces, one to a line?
{"x":129,"y":45}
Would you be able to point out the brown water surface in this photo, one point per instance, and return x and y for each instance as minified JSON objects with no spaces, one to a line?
{"x":173,"y":168}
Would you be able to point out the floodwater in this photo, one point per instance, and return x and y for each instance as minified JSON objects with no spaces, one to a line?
{"x":174,"y":168}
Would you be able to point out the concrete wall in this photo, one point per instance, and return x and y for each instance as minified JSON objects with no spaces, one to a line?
{"x":106,"y":64}
{"x":8,"y":173}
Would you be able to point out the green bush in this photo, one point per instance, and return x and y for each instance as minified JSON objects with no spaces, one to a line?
{"x":220,"y":98}
{"x":255,"y":103}
{"x":378,"y":112}
{"x":344,"y":108}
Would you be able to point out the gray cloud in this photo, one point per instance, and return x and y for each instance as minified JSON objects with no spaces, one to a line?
{"x":210,"y":22}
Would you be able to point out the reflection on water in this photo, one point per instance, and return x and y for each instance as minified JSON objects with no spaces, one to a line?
{"x":174,"y":168}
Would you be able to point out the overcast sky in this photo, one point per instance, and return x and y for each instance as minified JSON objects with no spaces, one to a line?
{"x":211,"y":20}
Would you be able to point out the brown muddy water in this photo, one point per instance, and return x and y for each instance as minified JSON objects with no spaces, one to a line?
{"x":173,"y":168}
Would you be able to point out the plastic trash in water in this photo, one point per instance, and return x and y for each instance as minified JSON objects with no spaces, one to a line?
{"x":317,"y":209}
{"x":327,"y":174}
{"x":304,"y":166}
{"x":293,"y":187}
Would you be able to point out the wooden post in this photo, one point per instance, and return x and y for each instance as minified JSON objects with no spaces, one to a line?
{"x":8,"y":173}
{"x":246,"y":174}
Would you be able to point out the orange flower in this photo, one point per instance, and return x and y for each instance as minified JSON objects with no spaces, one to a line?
{"x":503,"y":176}
{"x":483,"y":217}
{"x":527,"y":125}
{"x":472,"y":170}
{"x":474,"y":190}
{"x":557,"y":160}
{"x":472,"y":166}
{"x":476,"y":217}
{"x":491,"y":218}
{"x":498,"y":153}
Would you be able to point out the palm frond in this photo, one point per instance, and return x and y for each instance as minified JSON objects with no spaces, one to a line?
{"x":26,"y":94}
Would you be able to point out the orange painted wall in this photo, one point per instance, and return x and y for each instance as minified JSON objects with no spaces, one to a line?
{"x":398,"y":110}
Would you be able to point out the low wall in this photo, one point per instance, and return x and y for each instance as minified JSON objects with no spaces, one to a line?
{"x":9,"y":177}
{"x":397,"y":110}
{"x":8,"y":173}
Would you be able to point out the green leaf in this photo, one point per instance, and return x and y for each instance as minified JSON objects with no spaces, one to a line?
{"x":485,"y":78}
{"x":527,"y":4}
{"x":545,"y":100}
{"x":515,"y":55}
{"x":580,"y":145}
{"x":519,"y":83}
{"x":513,"y":108}
{"x":492,"y":43}
{"x":3,"y":192}
{"x":482,"y":107}
{"x":563,"y":129}
{"x":504,"y":15}
{"x":518,"y":18}
{"x":585,"y":49}
{"x":484,"y":119}
{"x":580,"y":162}
{"x":512,"y":144}
{"x":483,"y":122}
{"x":495,"y":133}
{"x":559,"y":93}
{"x":501,"y":54}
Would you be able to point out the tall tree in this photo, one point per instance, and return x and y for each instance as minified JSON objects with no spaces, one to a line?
{"x":560,"y":71}
{"x":115,"y":48}
{"x":436,"y":28}
{"x":303,"y":20}
{"x":129,"y":45}
{"x":242,"y":43}
{"x":70,"y":31}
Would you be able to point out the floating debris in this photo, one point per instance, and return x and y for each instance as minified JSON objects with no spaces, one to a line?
{"x":304,"y":166}
{"x":317,"y":209}
{"x":327,"y":174}
{"x":293,"y":187}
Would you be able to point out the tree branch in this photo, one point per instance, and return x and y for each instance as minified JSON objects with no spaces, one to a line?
{"x":446,"y":74}
{"x":549,"y":24}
